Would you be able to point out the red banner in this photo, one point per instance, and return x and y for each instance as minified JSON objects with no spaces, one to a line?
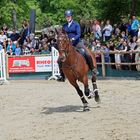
{"x":21,"y":64}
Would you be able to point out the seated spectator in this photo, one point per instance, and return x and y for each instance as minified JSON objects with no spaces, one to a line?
{"x":25,"y":49}
{"x":45,"y":50}
{"x":31,"y":43}
{"x":14,"y":36}
{"x":17,"y":49}
{"x":11,"y":47}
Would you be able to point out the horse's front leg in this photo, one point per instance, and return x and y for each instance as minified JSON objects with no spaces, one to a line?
{"x":95,"y":89}
{"x":80,"y":93}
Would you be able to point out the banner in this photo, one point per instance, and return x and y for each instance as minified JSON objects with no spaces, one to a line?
{"x":21,"y":64}
{"x":43,"y":64}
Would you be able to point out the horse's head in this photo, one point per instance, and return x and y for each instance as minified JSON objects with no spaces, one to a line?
{"x":64,"y":44}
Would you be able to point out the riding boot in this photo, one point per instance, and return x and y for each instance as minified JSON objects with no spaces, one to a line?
{"x":90,"y":64}
{"x":62,"y":76}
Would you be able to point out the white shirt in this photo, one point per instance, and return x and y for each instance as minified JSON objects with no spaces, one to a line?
{"x":69,"y":23}
{"x":3,"y":38}
{"x":108,"y":29}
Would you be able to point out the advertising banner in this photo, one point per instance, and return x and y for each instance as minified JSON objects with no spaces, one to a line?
{"x":43,"y":64}
{"x":21,"y":64}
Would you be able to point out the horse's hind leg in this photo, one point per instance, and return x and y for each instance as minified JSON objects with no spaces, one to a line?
{"x":95,"y":89}
{"x":80,"y":93}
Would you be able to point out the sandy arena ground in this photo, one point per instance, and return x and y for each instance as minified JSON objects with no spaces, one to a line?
{"x":49,"y":110}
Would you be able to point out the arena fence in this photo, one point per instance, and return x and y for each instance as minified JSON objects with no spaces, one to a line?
{"x":117,"y":64}
{"x":2,"y":67}
{"x":34,"y":65}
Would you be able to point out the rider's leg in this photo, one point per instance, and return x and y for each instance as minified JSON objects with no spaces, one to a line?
{"x":82,"y":49}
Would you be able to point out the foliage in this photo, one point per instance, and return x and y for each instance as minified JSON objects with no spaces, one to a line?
{"x":50,"y":12}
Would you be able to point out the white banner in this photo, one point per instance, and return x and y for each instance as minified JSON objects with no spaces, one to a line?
{"x":43,"y":64}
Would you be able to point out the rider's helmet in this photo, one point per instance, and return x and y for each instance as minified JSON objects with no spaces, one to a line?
{"x":68,"y":12}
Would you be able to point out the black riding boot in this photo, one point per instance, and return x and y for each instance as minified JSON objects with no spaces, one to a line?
{"x":90,"y":64}
{"x":62,"y":76}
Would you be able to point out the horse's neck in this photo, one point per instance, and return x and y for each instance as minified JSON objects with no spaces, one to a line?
{"x":72,"y":57}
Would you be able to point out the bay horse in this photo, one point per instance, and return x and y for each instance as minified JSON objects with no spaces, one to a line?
{"x":75,"y":67}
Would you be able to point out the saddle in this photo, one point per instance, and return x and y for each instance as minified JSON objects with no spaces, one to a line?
{"x":87,"y":57}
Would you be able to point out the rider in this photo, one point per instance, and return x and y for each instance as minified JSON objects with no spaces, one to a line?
{"x":73,"y":30}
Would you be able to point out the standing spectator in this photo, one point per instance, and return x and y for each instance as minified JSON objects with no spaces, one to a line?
{"x":24,"y":32}
{"x":96,"y":30}
{"x":107,"y":30}
{"x":112,"y":56}
{"x":134,"y":27}
{"x":3,"y":37}
{"x":1,"y":47}
{"x":105,"y":49}
{"x":128,"y":25}
{"x":127,"y":57}
{"x":133,"y":47}
{"x":4,"y":29}
{"x":123,"y":26}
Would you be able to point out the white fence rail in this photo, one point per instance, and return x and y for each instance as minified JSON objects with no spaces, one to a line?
{"x":2,"y":67}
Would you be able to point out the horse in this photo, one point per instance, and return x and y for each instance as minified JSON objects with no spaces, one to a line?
{"x":75,"y":68}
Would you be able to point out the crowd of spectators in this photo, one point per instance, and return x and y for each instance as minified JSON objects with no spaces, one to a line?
{"x":114,"y":38}
{"x":98,"y":36}
{"x":21,"y":42}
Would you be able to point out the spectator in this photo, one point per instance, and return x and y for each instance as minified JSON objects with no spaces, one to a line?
{"x":25,"y":49}
{"x":14,"y":36}
{"x":133,"y":47}
{"x":25,"y":31}
{"x":45,"y":50}
{"x":134,"y":27}
{"x":127,"y":57}
{"x":107,"y":30}
{"x":17,"y":50}
{"x":4,"y":29}
{"x":96,"y":30}
{"x":10,"y":48}
{"x":105,"y":49}
{"x":112,"y":56}
{"x":3,"y":37}
{"x":124,"y":36}
{"x":123,"y":26}
{"x":1,"y":47}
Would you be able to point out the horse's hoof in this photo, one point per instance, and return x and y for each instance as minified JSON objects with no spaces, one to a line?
{"x":86,"y":108}
{"x":91,"y":95}
{"x":97,"y":99}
